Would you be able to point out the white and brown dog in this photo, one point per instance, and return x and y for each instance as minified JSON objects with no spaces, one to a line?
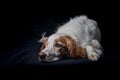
{"x":78,"y":38}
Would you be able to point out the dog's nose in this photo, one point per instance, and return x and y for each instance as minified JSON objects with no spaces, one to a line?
{"x":42,"y":55}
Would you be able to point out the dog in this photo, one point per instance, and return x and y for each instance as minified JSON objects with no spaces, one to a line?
{"x":78,"y":38}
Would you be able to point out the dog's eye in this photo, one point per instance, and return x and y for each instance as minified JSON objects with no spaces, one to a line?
{"x":58,"y":45}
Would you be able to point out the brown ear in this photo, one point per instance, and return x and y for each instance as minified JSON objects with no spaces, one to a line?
{"x":81,"y":53}
{"x":74,"y":50}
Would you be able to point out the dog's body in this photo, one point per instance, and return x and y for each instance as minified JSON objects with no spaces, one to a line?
{"x":80,"y":32}
{"x":81,"y":29}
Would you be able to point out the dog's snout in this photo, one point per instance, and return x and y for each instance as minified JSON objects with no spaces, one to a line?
{"x":42,"y":55}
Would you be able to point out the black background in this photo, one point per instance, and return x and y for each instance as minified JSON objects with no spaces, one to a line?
{"x":17,"y":24}
{"x":21,"y":27}
{"x":16,"y":27}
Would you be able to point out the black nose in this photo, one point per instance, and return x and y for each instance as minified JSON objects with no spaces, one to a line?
{"x":42,"y":55}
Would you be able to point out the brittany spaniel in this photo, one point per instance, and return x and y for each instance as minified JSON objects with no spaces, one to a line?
{"x":78,"y":38}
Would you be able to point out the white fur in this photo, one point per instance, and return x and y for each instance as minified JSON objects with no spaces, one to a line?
{"x":79,"y":28}
{"x":84,"y":31}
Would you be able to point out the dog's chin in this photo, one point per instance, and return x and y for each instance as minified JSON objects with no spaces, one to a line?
{"x":49,"y":59}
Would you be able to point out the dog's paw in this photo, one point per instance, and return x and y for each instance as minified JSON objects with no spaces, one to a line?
{"x":93,"y":56}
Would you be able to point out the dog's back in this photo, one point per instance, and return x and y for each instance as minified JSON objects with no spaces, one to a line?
{"x":82,"y":29}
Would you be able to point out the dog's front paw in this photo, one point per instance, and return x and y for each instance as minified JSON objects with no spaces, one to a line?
{"x":93,"y":56}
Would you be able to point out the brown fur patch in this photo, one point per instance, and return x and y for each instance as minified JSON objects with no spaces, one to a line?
{"x":70,"y":47}
{"x":44,"y":44}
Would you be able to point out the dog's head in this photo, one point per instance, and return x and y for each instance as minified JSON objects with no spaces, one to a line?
{"x":56,"y":47}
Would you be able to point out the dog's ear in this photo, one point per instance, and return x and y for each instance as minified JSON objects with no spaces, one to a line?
{"x":74,"y":50}
{"x":43,"y":38}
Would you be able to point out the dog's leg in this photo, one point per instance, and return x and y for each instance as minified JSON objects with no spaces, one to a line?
{"x":97,"y":47}
{"x":94,"y":50}
{"x":91,"y":54}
